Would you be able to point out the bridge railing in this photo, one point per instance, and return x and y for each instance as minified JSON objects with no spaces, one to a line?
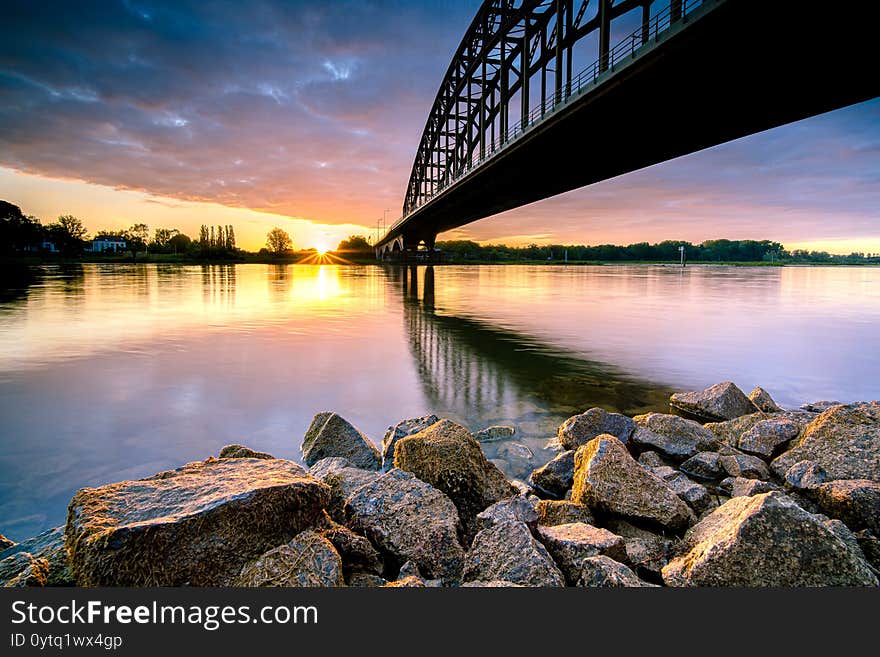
{"x":626,"y":50}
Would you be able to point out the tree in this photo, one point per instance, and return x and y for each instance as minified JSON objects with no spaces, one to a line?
{"x":68,"y":235}
{"x":161,"y":239}
{"x":136,"y":239}
{"x":18,"y":232}
{"x":179,"y":243}
{"x":357,"y":243}
{"x":278,"y":241}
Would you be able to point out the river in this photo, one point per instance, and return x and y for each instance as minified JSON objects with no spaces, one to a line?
{"x":110,"y":372}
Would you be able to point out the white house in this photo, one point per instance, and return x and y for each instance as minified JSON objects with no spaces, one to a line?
{"x":108,"y":243}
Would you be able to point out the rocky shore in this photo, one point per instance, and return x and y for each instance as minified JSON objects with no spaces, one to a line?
{"x":752,"y":495}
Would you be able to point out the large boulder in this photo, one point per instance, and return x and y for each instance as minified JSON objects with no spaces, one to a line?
{"x":765,"y":540}
{"x":446,"y":456}
{"x":518,"y":508}
{"x":343,"y":479}
{"x":767,"y":436}
{"x":723,"y":401}
{"x":408,"y":520}
{"x":844,"y":440}
{"x":763,"y":401}
{"x":48,"y":545}
{"x":580,"y":429}
{"x":400,"y":430}
{"x":603,"y":572}
{"x":332,"y":435}
{"x":555,"y":477}
{"x":196,"y":525}
{"x":570,"y":544}
{"x":675,"y":436}
{"x":855,"y":501}
{"x":508,"y":551}
{"x":23,"y":569}
{"x":608,"y":480}
{"x":308,"y":560}
{"x":561,"y":512}
{"x":242,"y":452}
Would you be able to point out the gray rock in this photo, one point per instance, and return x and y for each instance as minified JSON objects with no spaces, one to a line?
{"x":357,"y":553}
{"x":409,"y":569}
{"x":48,"y":545}
{"x":745,"y":465}
{"x":508,"y":551}
{"x":366,"y":580}
{"x":870,"y":546}
{"x":561,"y":512}
{"x":805,"y":475}
{"x":331,"y":435}
{"x":242,"y":452}
{"x":570,"y":544}
{"x":675,"y":436}
{"x":839,"y":529}
{"x":408,"y":519}
{"x":651,"y":459}
{"x":768,"y":435}
{"x":402,"y":430}
{"x":603,"y":572}
{"x":820,"y":406}
{"x":446,"y":456}
{"x":694,"y":494}
{"x":580,"y":429}
{"x":763,"y":401}
{"x":765,"y":540}
{"x":555,"y":477}
{"x":517,"y":508}
{"x":703,"y":465}
{"x":197,"y":525}
{"x":855,"y":501}
{"x":844,"y":440}
{"x":22,"y":569}
{"x":491,"y":434}
{"x":742,"y":487}
{"x":730,"y":431}
{"x":608,"y":479}
{"x":723,"y":401}
{"x":309,"y":560}
{"x":343,"y":478}
{"x":646,"y":551}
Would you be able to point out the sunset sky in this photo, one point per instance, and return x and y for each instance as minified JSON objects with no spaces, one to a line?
{"x":306,"y":115}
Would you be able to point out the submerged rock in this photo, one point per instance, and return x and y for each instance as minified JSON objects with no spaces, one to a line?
{"x":23,"y":569}
{"x":723,"y":401}
{"x":556,"y":476}
{"x":491,"y":434}
{"x":402,"y":430}
{"x":571,"y":543}
{"x":518,"y":508}
{"x":508,"y":551}
{"x":763,"y":401}
{"x":844,"y":440}
{"x":242,"y":452}
{"x":408,"y":519}
{"x":609,"y":480}
{"x":561,"y":512}
{"x":855,"y":501}
{"x":309,"y":560}
{"x":48,"y":545}
{"x":675,"y":436}
{"x":767,"y":435}
{"x":765,"y":540}
{"x":197,"y":525}
{"x":580,"y":429}
{"x":603,"y":572}
{"x":332,"y":435}
{"x":446,"y":456}
{"x":343,"y":479}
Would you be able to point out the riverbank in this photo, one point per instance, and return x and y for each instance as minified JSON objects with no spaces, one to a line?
{"x":653,"y":500}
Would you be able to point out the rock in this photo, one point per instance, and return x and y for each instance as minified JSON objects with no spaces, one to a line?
{"x":343,"y":479}
{"x":608,"y":479}
{"x":308,"y":560}
{"x":763,"y":401}
{"x":197,"y":525}
{"x":507,"y":551}
{"x":694,"y":494}
{"x":870,"y":546}
{"x":844,"y":440}
{"x":357,"y":553}
{"x":516,"y":454}
{"x":767,"y":435}
{"x":723,"y":401}
{"x":839,"y":529}
{"x":491,"y":434}
{"x":365,"y":580}
{"x":730,"y":431}
{"x":855,"y":501}
{"x":580,"y":429}
{"x":604,"y":572}
{"x":406,"y":582}
{"x":516,"y":508}
{"x":805,"y":475}
{"x":242,"y":452}
{"x":675,"y":436}
{"x":402,"y":430}
{"x":48,"y":545}
{"x":23,"y":569}
{"x":494,"y":584}
{"x":744,"y":465}
{"x":561,"y":512}
{"x":446,"y":456}
{"x":703,"y":465}
{"x":820,"y":406}
{"x":742,"y":487}
{"x":5,"y":543}
{"x":765,"y":540}
{"x":408,"y":519}
{"x":331,"y":435}
{"x":555,"y":477}
{"x":646,"y":551}
{"x":651,"y":459}
{"x":571,"y":543}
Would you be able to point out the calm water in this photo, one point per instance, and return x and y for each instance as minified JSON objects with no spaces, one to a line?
{"x":111,"y":372}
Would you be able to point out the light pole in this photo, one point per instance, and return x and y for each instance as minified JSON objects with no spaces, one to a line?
{"x":681,"y":251}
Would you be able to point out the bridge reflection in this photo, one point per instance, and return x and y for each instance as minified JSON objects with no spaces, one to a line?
{"x":480,"y":373}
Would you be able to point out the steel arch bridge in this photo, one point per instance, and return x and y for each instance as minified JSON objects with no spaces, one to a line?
{"x":545,"y":96}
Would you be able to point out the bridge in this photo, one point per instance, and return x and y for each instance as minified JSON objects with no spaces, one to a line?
{"x":519,"y":117}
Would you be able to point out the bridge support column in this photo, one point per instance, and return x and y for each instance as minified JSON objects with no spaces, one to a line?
{"x":604,"y":34}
